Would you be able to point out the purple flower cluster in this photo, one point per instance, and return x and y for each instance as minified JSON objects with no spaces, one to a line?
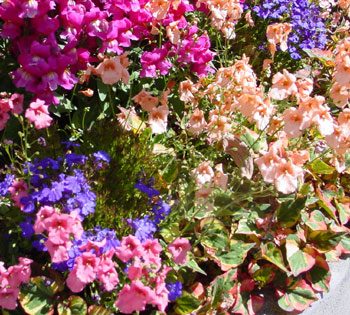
{"x":146,"y":226}
{"x":175,"y":290}
{"x":309,"y":30}
{"x":6,"y":184}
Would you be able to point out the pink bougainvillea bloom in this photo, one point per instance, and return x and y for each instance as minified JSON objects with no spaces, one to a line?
{"x":179,"y":248}
{"x":38,"y":114}
{"x":158,"y":119}
{"x":134,"y":298}
{"x":130,"y":247}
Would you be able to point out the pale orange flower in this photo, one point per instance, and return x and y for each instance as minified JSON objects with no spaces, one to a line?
{"x":278,"y":34}
{"x":305,"y":87}
{"x":283,"y":85}
{"x":159,"y":8}
{"x":146,"y":100}
{"x":203,"y":174}
{"x":197,"y":122}
{"x":111,"y":71}
{"x":295,"y":121}
{"x":186,"y":90}
{"x":287,"y":175}
{"x":158,"y":119}
{"x":129,"y":120}
{"x":340,"y":94}
{"x":220,"y":179}
{"x":173,"y":32}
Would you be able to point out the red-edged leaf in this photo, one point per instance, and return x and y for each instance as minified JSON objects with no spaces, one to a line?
{"x":319,"y":276}
{"x":316,"y":221}
{"x":98,"y":310}
{"x":299,"y":261}
{"x":326,"y":204}
{"x":255,"y":304}
{"x":271,"y":253}
{"x":246,"y":303}
{"x":343,"y":210}
{"x":344,"y":246}
{"x":299,"y":296}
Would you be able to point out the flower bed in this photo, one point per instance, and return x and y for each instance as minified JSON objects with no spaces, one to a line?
{"x":175,"y":157}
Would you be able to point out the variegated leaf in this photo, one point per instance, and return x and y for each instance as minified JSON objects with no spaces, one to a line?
{"x":271,"y":253}
{"x":319,"y":276}
{"x":74,"y":305}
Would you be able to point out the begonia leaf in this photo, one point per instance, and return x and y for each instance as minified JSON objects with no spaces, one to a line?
{"x":316,"y":221}
{"x":36,"y":297}
{"x":298,"y":297}
{"x":187,"y":303}
{"x":273,"y":254}
{"x":236,"y":255}
{"x":247,"y":227}
{"x":319,"y":276}
{"x":74,"y":305}
{"x":194,"y":266}
{"x":213,"y":234}
{"x":264,"y":275}
{"x":320,"y":167}
{"x":343,"y":211}
{"x":288,"y":213}
{"x":324,"y":240}
{"x":326,"y":204}
{"x":98,"y":310}
{"x":299,"y":261}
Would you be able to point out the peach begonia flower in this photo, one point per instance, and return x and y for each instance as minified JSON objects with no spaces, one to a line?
{"x":158,"y":119}
{"x":38,"y":113}
{"x":277,"y":33}
{"x":186,"y":90}
{"x":248,"y":18}
{"x":340,"y":94}
{"x":283,"y":85}
{"x":159,"y":8}
{"x":218,"y":126}
{"x":197,"y":122}
{"x":203,"y":174}
{"x":287,"y":175}
{"x":295,"y":121}
{"x":324,"y":120}
{"x":146,"y":100}
{"x":111,"y":70}
{"x":305,"y":87}
{"x":173,"y":32}
{"x":129,"y":120}
{"x":342,"y":70}
{"x":220,"y":179}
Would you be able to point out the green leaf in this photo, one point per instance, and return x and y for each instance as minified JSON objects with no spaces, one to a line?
{"x":213,"y":234}
{"x":102,"y":90}
{"x":187,"y":303}
{"x":36,"y":298}
{"x":288,"y":213}
{"x":263,"y":275}
{"x":344,"y":212}
{"x":320,"y":167}
{"x":273,"y":254}
{"x":325,"y":240}
{"x":299,"y":261}
{"x":319,"y":276}
{"x":221,"y":286}
{"x":326,"y":204}
{"x":298,"y":297}
{"x":74,"y":305}
{"x":316,"y":221}
{"x":170,"y":172}
{"x":247,"y":227}
{"x":98,"y":310}
{"x":194,"y":266}
{"x":236,"y":255}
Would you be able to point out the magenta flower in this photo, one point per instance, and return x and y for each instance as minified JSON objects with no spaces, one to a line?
{"x":155,"y":60}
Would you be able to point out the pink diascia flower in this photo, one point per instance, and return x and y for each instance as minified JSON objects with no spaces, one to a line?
{"x":179,"y":248}
{"x":134,"y":298}
{"x":38,"y":114}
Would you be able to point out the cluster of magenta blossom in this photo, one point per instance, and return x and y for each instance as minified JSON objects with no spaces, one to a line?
{"x":308,"y":28}
{"x":146,"y":226}
{"x":76,"y":32}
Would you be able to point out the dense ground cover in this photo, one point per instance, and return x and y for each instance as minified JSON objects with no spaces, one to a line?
{"x":172,"y":156}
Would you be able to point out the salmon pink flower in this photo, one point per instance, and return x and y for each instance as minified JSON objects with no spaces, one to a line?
{"x":130,"y":247}
{"x":146,"y":100}
{"x":197,"y":122}
{"x":134,"y":298}
{"x":38,"y":114}
{"x":158,"y":119}
{"x":179,"y":248}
